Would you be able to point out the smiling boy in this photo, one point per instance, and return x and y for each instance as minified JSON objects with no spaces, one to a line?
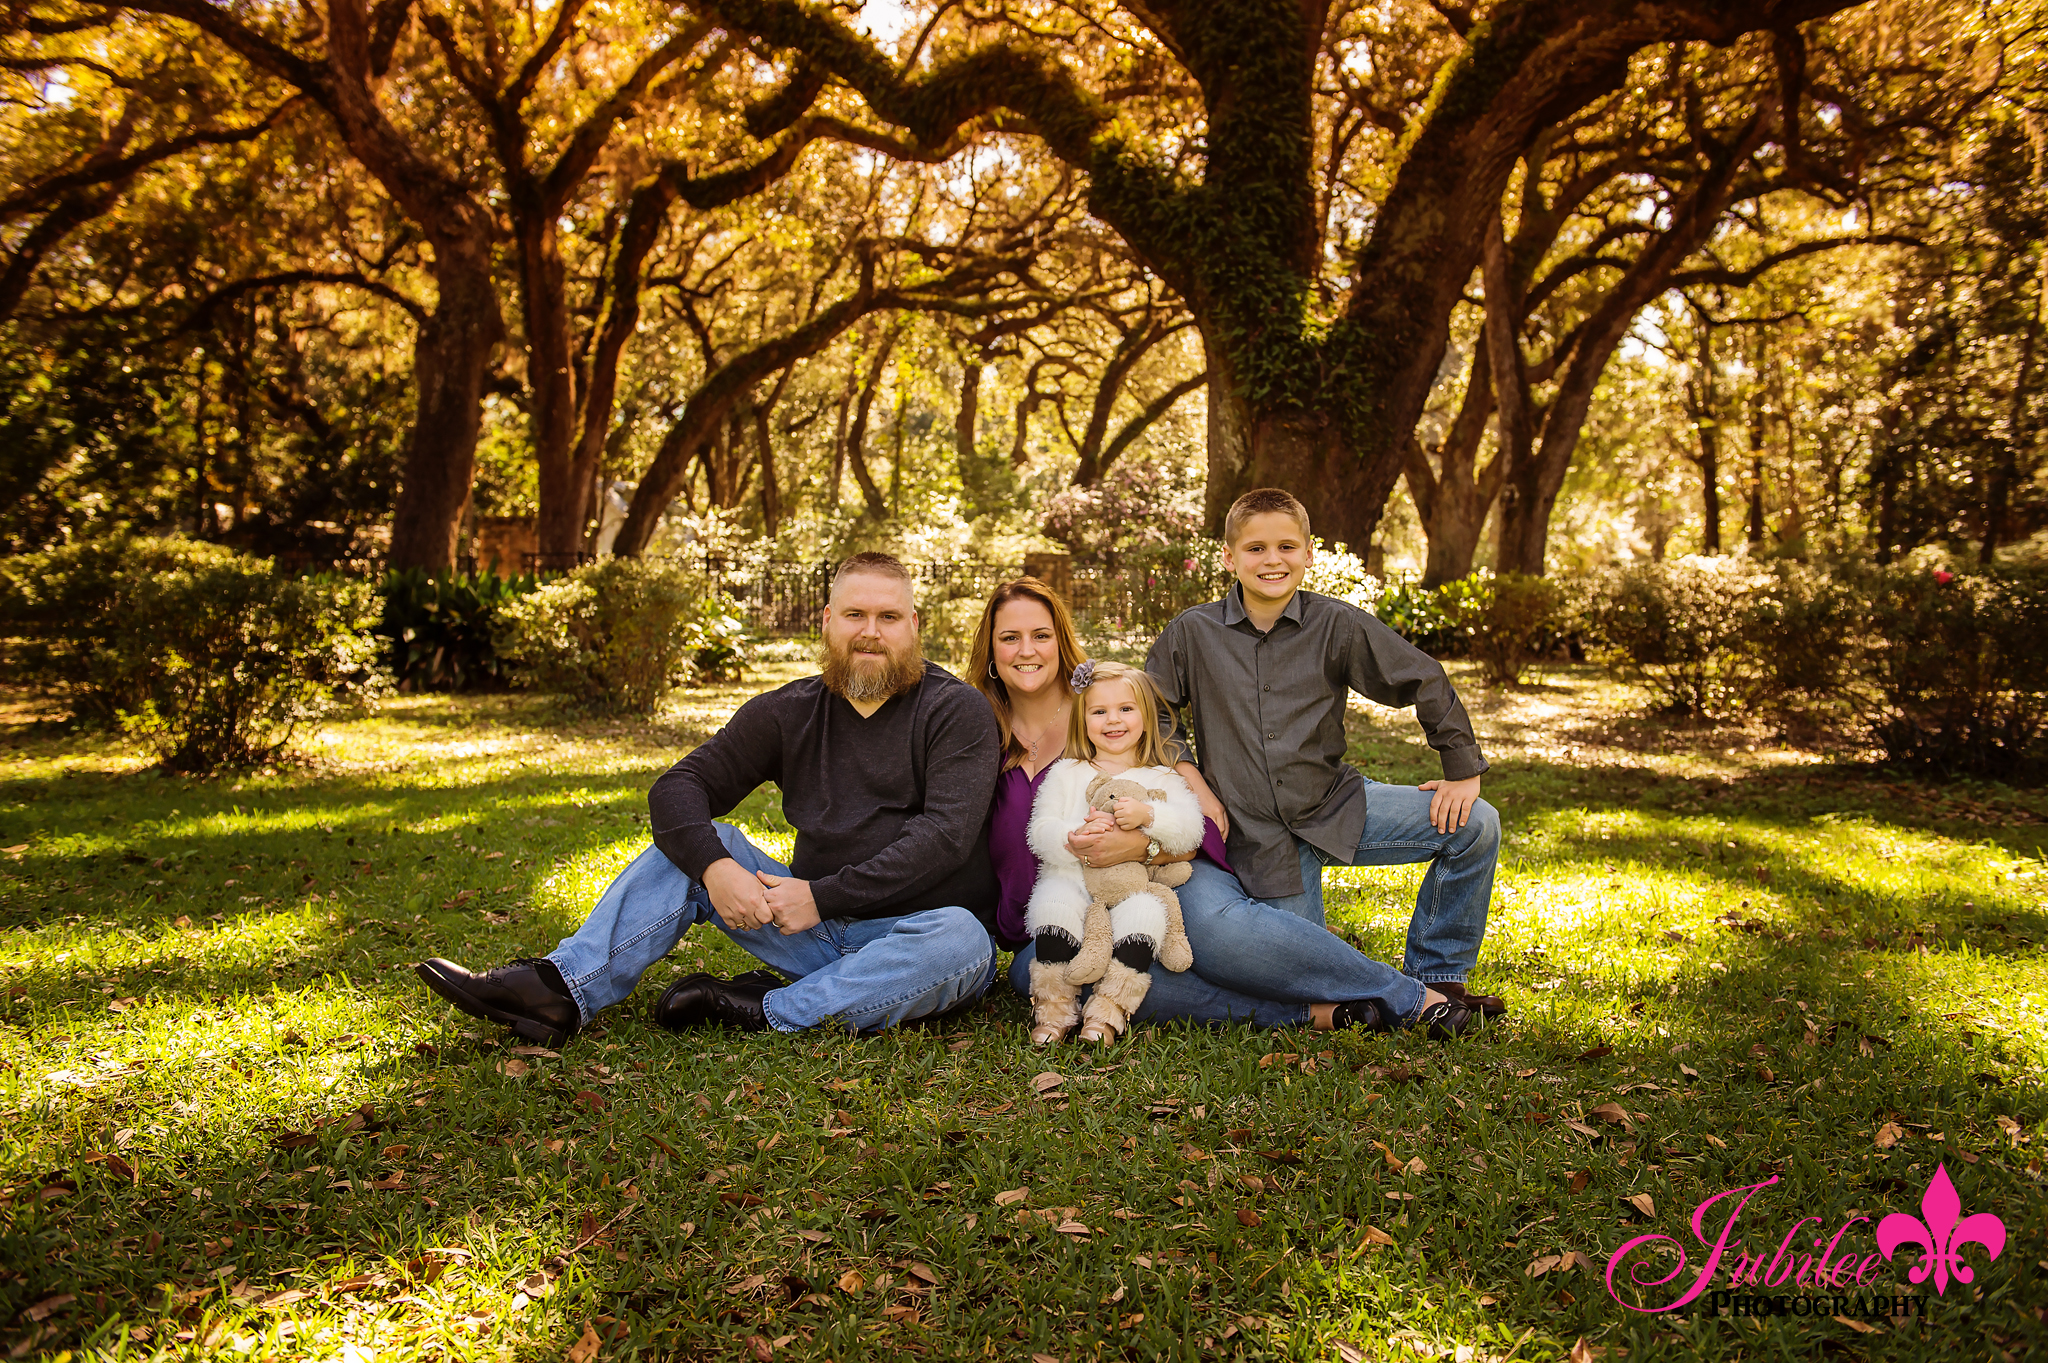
{"x":1263,"y":674}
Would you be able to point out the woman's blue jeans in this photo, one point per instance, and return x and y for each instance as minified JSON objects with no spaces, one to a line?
{"x":1279,"y":948}
{"x":866,"y":974}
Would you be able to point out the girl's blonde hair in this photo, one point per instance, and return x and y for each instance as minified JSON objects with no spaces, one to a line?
{"x":1151,"y":749}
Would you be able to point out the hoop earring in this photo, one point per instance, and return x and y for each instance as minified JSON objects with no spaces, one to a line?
{"x":992,"y":670}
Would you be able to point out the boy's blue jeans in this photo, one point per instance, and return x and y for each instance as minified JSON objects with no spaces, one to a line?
{"x":1279,"y":948}
{"x":866,"y":974}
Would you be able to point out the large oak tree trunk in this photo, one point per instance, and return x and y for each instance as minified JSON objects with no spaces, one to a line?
{"x":1454,"y":498}
{"x":563,"y":489}
{"x":451,"y":367}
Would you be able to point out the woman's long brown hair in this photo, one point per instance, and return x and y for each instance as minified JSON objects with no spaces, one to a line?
{"x":981,"y":659}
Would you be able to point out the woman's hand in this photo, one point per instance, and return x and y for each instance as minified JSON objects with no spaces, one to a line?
{"x":1107,"y":849}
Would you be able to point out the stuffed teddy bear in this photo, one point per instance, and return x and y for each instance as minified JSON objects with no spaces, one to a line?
{"x":1105,"y":912}
{"x":1109,"y":885}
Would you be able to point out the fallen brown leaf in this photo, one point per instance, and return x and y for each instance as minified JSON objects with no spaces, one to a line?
{"x":1247,"y":1217}
{"x":49,"y":1306}
{"x":1581,"y":1179}
{"x":1643,"y":1203}
{"x":1888,"y":1135}
{"x":1613,"y":1113}
{"x":1010,"y":1197}
{"x":586,"y":1347}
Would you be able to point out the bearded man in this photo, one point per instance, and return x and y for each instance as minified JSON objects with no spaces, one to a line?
{"x":887,"y":766}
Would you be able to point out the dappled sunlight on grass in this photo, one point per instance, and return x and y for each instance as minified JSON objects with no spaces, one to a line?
{"x":231,"y":1120}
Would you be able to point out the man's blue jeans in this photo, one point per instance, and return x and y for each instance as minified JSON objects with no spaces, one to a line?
{"x":1279,"y":948}
{"x":866,"y":974}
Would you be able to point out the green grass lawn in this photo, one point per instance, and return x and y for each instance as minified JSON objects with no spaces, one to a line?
{"x":233,"y":1123}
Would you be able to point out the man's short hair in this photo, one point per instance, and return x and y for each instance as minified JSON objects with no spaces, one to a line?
{"x":1261,"y":501}
{"x":879,"y":565}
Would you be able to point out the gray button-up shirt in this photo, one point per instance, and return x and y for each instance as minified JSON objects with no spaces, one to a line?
{"x":1268,"y":721}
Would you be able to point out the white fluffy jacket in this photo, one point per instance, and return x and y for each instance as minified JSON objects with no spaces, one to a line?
{"x":1060,"y":898}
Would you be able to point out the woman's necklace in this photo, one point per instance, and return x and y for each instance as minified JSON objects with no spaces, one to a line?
{"x":1031,"y":743}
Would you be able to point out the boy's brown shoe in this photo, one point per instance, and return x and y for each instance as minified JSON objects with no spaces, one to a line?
{"x":1492,"y":1005}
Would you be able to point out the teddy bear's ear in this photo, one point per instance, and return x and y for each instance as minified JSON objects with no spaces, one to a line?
{"x":1157,"y":794}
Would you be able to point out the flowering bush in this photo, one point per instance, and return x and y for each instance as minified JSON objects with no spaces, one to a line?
{"x":1136,"y":506}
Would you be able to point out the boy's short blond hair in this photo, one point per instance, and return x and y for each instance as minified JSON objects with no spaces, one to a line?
{"x":1262,"y":501}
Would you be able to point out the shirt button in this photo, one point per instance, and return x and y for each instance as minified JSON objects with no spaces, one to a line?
{"x":1269,"y":736}
{"x":1266,"y":688}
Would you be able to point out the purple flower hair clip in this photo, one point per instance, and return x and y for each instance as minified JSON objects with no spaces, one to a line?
{"x":1083,"y":677}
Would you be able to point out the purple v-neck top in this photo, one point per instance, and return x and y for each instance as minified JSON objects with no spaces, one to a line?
{"x":1016,"y":866}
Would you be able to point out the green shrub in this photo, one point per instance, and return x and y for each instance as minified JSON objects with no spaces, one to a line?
{"x":619,"y":634}
{"x":212,"y":658}
{"x":1424,"y":616}
{"x":1506,"y":621}
{"x":440,"y":629}
{"x":1680,"y":628}
{"x":1801,"y":629}
{"x":1952,"y":672}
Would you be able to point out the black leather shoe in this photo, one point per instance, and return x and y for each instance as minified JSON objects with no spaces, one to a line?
{"x":706,"y":1001}
{"x":1363,"y":1013}
{"x":1492,"y":1005}
{"x":516,"y":994}
{"x":1452,"y":1017}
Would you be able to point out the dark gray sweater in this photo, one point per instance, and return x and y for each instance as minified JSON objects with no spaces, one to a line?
{"x":891,"y":811}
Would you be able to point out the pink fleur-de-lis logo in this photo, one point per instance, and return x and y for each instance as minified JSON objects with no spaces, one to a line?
{"x":1941,"y":1235}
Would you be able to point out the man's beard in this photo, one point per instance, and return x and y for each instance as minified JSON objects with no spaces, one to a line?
{"x":899,"y":672}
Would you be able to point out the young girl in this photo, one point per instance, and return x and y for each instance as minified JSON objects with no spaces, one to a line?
{"x":1114,"y":731}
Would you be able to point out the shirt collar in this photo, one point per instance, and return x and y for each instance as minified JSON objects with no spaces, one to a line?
{"x":1234,"y":612}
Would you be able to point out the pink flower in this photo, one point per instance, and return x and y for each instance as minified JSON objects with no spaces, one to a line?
{"x":1188,"y":564}
{"x":1943,"y":578}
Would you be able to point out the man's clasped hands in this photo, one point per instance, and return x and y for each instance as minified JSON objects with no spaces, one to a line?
{"x":747,"y":900}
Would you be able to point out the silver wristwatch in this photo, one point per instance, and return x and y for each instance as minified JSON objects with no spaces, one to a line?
{"x":1152,"y":850}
